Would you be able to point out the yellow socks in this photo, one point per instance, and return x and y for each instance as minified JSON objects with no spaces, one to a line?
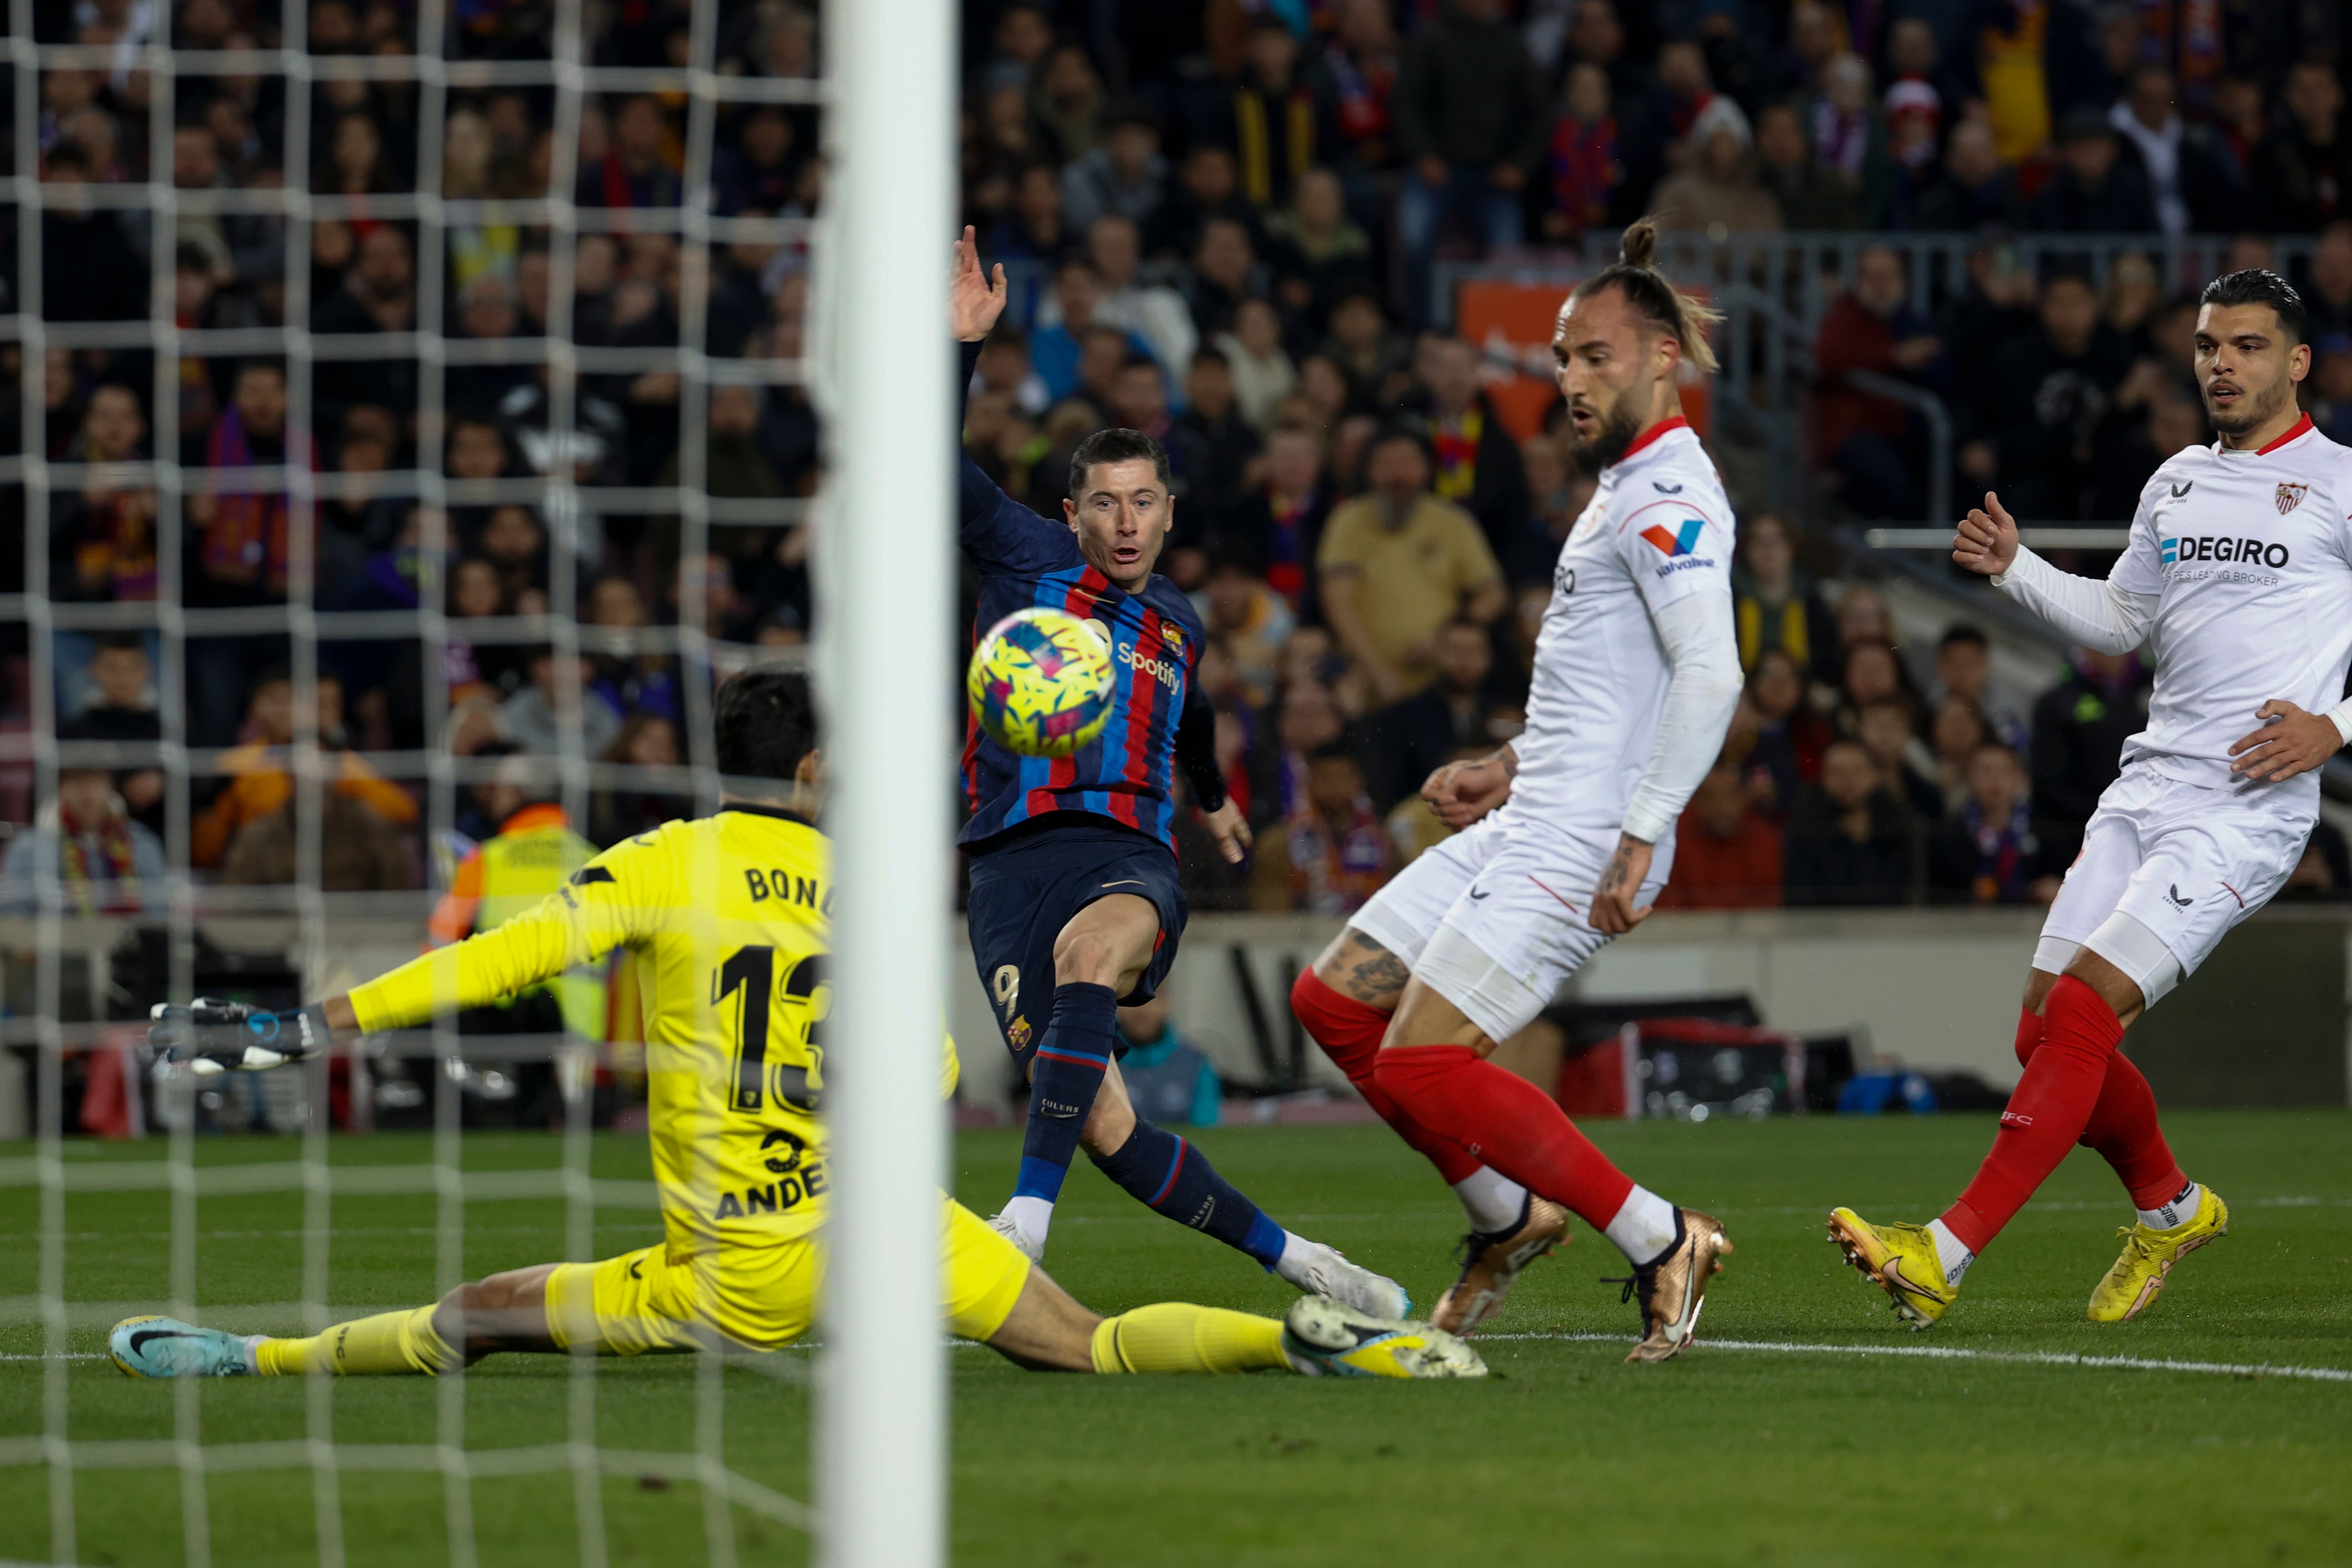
{"x":1176,"y":1336}
{"x":401,"y":1342}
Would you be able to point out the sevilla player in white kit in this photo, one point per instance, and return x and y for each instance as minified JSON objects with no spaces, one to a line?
{"x":1636,"y":674}
{"x":2237,"y":575}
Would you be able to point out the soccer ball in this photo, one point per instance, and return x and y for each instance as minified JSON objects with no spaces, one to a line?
{"x":1040,"y":682}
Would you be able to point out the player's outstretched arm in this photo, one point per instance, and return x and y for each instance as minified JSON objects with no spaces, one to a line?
{"x":2109,"y":617}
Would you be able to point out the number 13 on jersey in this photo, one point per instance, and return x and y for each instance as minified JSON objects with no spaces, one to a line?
{"x":748,"y":980}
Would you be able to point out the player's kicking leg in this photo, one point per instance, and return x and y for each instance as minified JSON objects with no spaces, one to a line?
{"x":1345,"y":1002}
{"x":1100,"y":956}
{"x":503,"y":1312}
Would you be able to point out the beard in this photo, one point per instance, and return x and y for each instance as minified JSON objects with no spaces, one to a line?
{"x":1617,"y":427}
{"x":2250,"y":412}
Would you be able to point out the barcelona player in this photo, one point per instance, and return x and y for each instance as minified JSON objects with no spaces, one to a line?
{"x":726,"y":918}
{"x":1075,"y":906}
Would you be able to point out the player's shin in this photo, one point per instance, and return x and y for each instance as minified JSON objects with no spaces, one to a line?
{"x":2125,"y":1132}
{"x":1065,"y":1074}
{"x":1169,"y":1176}
{"x":1176,"y":1336}
{"x":1350,"y":1032}
{"x":2048,"y":1112}
{"x":1510,"y":1123}
{"x":401,"y":1342}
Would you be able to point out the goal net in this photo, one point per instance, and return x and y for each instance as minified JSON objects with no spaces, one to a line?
{"x":413,"y":425}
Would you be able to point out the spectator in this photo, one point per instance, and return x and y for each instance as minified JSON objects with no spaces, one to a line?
{"x":1409,"y":740}
{"x":1470,"y":122}
{"x":1361,"y":63}
{"x":1973,"y":193}
{"x":85,"y":845}
{"x":1773,"y":604}
{"x":122,"y":712}
{"x":2143,"y":118}
{"x":1124,"y":177}
{"x":1222,"y":448}
{"x":1396,"y":565}
{"x":1207,"y":186}
{"x":1151,"y":312}
{"x":1955,"y":730}
{"x":1862,"y":615}
{"x":1224,"y":272}
{"x":103,"y":541}
{"x":378,"y":294}
{"x":1559,"y":491}
{"x":1248,"y":621}
{"x":1017,"y":46}
{"x":1315,"y":249}
{"x":2037,"y":414}
{"x":513,"y":542}
{"x":1869,"y":673}
{"x":1988,"y":852}
{"x":629,"y":673}
{"x":1717,"y":188}
{"x":1263,"y":374}
{"x":2331,"y":384}
{"x":1885,"y":728}
{"x":1273,"y":119}
{"x":239,"y":544}
{"x":1849,"y":841}
{"x":2328,"y":299}
{"x":1777,"y":740}
{"x":1281,"y":519}
{"x":1308,"y":720}
{"x":1477,"y":460}
{"x":1811,"y":198}
{"x":1964,"y":670}
{"x":756,"y":172}
{"x":1068,"y":105}
{"x":1376,"y":362}
{"x":2095,"y":189}
{"x":1865,"y":437}
{"x":1058,"y":344}
{"x":2302,"y":170}
{"x":639,"y":806}
{"x":1848,"y":136}
{"x":537,"y":717}
{"x":89,"y":271}
{"x":1585,"y":170}
{"x":1037,"y":227}
{"x":636,"y":170}
{"x":491,"y":312}
{"x":260,"y":785}
{"x":2080,"y":725}
{"x":1333,"y":853}
{"x":2010,"y":68}
{"x":1167,"y":1079}
{"x":1726,"y":855}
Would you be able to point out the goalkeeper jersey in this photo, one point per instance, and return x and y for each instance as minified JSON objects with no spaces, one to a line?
{"x":729,"y":921}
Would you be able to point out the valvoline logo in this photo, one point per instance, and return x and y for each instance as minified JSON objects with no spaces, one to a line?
{"x":1681,"y":540}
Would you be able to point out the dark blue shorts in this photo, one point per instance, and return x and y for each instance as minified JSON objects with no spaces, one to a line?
{"x":1028,"y":885}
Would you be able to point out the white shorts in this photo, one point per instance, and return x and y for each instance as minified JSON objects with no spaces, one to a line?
{"x":1495,"y":921}
{"x":2166,"y":869}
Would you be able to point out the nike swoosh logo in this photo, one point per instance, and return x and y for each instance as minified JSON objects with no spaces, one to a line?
{"x":139,"y":1341}
{"x":1892,"y":1271}
{"x":2180,"y":490}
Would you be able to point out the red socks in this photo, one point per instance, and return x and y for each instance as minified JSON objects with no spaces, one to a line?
{"x":2048,"y":1110}
{"x":2122,"y":1126}
{"x":1349,"y":1033}
{"x":1507,"y":1122}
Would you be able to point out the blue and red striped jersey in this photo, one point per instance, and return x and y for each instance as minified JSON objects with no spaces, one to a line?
{"x":1126,"y":774}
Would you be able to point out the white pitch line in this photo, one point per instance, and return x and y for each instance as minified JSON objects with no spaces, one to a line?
{"x":1958,"y":1352}
{"x":36,"y":1355}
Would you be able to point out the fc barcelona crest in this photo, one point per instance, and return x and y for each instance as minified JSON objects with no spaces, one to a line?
{"x":1016,"y":1033}
{"x":2290,"y":496}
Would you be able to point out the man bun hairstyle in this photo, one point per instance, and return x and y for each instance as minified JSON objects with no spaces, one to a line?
{"x":1635,"y":275}
{"x":1116,"y":444}
{"x":763,"y":722}
{"x":2261,"y":286}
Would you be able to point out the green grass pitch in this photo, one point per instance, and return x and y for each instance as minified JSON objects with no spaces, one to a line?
{"x":1727,"y":1455}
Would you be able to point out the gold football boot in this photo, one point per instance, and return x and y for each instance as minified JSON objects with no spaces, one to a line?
{"x":1491,"y":1265}
{"x":1673,"y":1288}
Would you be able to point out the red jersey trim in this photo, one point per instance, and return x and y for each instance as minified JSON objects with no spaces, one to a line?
{"x":1676,"y":421}
{"x":2302,"y":427}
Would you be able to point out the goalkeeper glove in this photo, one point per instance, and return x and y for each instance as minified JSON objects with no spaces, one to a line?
{"x":216,"y":1036}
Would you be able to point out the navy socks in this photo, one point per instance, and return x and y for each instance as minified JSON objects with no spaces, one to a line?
{"x":1065,"y":1077}
{"x":1171,"y":1178}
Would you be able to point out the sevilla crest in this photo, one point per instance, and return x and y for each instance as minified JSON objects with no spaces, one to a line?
{"x":2290,"y":496}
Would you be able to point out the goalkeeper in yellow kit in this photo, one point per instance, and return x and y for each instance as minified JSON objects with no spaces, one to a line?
{"x":728,"y":919}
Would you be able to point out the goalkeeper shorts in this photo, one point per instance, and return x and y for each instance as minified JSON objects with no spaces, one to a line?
{"x":758,"y":1298}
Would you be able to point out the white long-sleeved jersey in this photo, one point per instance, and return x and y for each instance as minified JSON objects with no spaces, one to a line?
{"x":2238,"y":576}
{"x":1637,"y":664}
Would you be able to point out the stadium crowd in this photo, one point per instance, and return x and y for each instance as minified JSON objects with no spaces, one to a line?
{"x":1225,"y":219}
